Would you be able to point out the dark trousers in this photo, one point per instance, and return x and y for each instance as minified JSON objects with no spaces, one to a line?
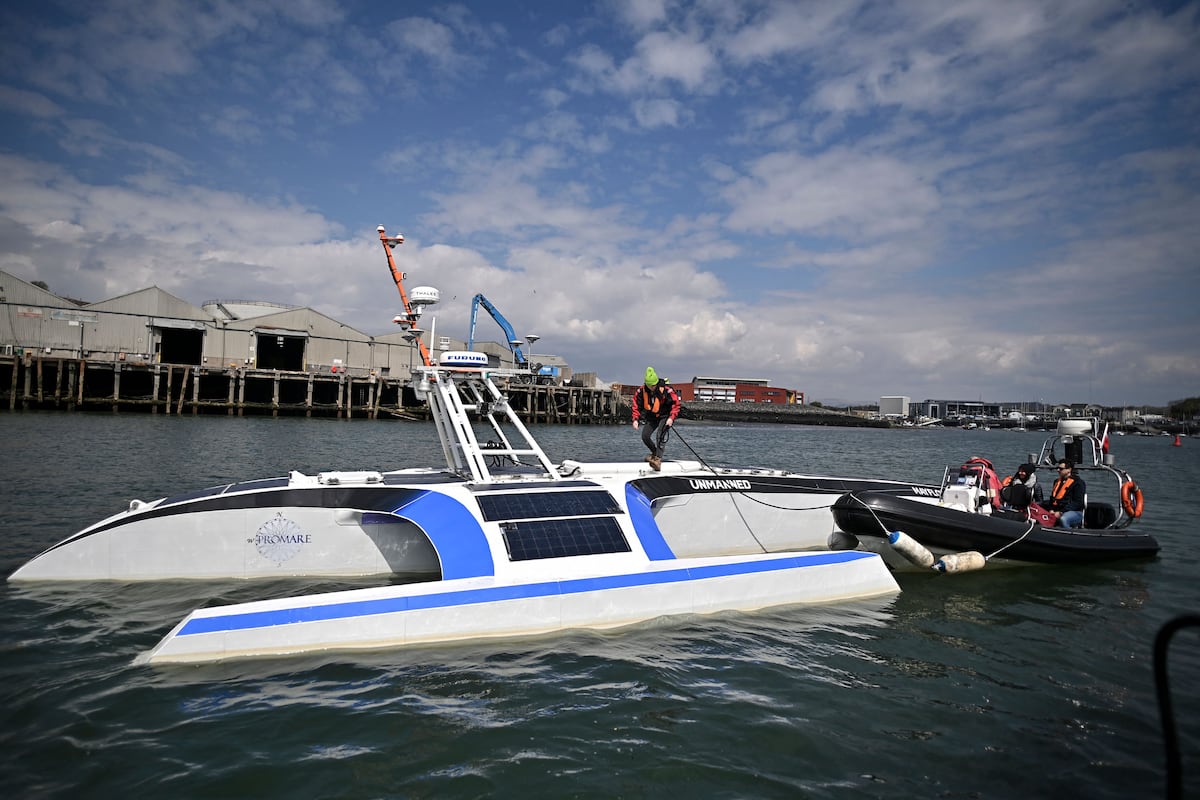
{"x":650,"y":426}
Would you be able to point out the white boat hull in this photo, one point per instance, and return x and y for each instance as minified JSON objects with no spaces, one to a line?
{"x":251,"y":541}
{"x":509,"y":544}
{"x":300,"y":527}
{"x":474,"y":608}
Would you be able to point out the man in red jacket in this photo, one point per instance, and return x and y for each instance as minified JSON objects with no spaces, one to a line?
{"x":657,"y":402}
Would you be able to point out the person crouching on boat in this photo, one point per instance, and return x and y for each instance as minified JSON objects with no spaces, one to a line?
{"x":1068,"y":498}
{"x":657,"y":402}
{"x":1021,"y":488}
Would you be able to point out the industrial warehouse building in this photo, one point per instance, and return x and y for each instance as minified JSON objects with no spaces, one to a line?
{"x":152,"y":326}
{"x":154,"y":348}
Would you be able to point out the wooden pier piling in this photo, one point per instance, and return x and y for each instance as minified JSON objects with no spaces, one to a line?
{"x":235,"y":390}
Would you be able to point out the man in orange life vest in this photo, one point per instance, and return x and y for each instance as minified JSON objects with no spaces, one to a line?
{"x":658,"y":403}
{"x":1068,"y":497}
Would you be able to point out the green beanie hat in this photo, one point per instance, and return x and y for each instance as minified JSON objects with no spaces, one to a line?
{"x":651,"y":377}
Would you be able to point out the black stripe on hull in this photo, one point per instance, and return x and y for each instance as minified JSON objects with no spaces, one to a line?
{"x":380,"y":498}
{"x":673,"y":486}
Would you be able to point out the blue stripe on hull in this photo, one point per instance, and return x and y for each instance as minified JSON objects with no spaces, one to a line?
{"x":391,"y":605}
{"x":461,"y":544}
{"x":642,"y":517}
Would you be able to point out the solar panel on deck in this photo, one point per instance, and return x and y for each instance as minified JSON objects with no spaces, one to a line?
{"x":261,"y":483}
{"x":195,"y":494}
{"x":538,"y":505}
{"x":558,"y":538}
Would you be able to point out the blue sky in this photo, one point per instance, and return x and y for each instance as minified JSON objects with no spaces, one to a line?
{"x":975,"y":199}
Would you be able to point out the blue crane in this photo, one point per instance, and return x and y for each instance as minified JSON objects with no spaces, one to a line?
{"x":514,"y":343}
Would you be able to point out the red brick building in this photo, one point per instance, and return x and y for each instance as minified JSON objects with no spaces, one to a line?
{"x":730,"y":390}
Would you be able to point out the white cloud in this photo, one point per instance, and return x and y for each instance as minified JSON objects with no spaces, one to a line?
{"x":787,"y":28}
{"x":30,"y":104}
{"x":839,"y":193}
{"x":425,"y":36}
{"x":642,"y":13}
{"x":659,"y":59}
{"x":851,"y":199}
{"x":672,"y":57}
{"x":658,"y":113}
{"x":238,"y":123}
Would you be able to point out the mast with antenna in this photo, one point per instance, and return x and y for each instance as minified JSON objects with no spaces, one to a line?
{"x":413,"y":306}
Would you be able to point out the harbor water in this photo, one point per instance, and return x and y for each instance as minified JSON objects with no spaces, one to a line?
{"x":1034,"y":682}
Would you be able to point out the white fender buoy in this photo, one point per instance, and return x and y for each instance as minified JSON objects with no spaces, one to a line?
{"x":961,"y":562}
{"x":840,"y":540}
{"x":910,"y":548}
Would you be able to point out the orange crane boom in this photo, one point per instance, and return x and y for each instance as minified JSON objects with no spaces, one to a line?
{"x":409,"y":317}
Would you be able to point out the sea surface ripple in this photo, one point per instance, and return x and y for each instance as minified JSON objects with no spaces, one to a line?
{"x":1034,"y":682}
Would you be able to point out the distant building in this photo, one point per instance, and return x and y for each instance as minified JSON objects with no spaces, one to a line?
{"x":952,"y":409}
{"x":723,"y":390}
{"x":729,"y":390}
{"x":893,"y":406}
{"x":742,"y":390}
{"x":588,"y":380}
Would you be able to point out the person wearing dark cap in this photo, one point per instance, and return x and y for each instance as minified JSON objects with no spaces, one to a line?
{"x":657,"y":402}
{"x":1068,"y":497}
{"x":1021,"y":488}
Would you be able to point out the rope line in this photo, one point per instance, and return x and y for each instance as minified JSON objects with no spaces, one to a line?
{"x":714,"y":471}
{"x":733,"y":495}
{"x":863,"y":503}
{"x":1032,"y":524}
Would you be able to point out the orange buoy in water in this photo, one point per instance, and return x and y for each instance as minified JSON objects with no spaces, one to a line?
{"x":1177,"y":442}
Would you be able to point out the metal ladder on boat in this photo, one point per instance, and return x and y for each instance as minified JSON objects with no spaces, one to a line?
{"x":457,"y":393}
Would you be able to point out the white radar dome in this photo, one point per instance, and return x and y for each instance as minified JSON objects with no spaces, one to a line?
{"x":1074,"y":427}
{"x":424,"y":295}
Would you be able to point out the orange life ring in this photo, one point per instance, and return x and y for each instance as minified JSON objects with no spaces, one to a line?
{"x":1131,"y":499}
